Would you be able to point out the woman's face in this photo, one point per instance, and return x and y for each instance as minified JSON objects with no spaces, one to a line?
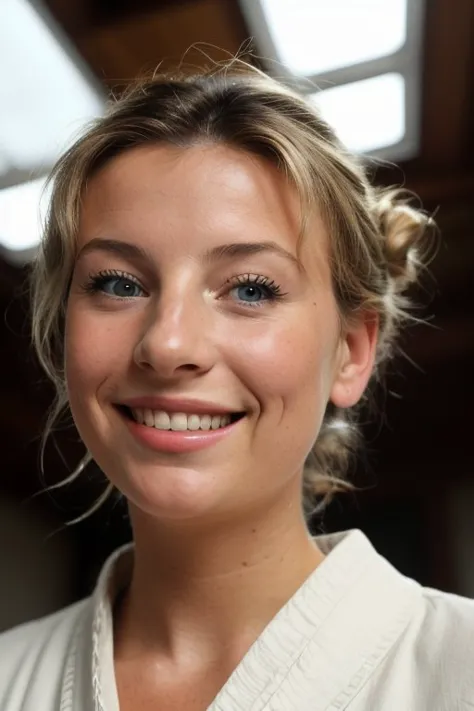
{"x":188,"y":310}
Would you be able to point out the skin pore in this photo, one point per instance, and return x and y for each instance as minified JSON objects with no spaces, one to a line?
{"x":168,"y":299}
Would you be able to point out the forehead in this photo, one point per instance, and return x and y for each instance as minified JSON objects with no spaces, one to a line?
{"x":204,"y":192}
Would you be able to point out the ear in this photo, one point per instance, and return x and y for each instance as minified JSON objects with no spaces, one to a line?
{"x":355,"y":361}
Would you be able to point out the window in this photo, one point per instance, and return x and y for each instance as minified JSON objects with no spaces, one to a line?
{"x":46,"y":96}
{"x":358,"y":60}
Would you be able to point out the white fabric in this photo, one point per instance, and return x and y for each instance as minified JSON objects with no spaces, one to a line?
{"x":357,"y":635}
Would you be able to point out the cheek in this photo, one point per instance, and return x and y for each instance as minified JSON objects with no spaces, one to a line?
{"x":94,"y":352}
{"x":284,"y":364}
{"x":287,"y":370}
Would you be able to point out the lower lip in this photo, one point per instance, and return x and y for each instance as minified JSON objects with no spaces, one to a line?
{"x":178,"y":441}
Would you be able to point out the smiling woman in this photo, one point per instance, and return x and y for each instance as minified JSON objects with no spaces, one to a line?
{"x":217,"y":285}
{"x":214,"y":316}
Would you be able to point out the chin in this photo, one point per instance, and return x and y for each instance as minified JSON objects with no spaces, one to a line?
{"x":172,"y":492}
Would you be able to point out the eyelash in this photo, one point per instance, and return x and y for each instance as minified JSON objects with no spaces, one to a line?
{"x":272,"y":289}
{"x":96,"y":282}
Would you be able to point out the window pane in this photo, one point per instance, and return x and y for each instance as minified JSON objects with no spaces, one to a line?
{"x":367,"y":114}
{"x":22,"y":211}
{"x":43,"y":95}
{"x":315,"y":36}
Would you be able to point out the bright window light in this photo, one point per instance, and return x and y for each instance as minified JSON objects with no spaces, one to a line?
{"x":22,"y":211}
{"x":45,"y":99}
{"x":316,"y":36}
{"x":368,"y":114}
{"x":45,"y":102}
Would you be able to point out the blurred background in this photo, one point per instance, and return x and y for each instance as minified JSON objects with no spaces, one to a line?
{"x":396,"y":80}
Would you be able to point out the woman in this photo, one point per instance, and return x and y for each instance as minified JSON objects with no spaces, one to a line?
{"x":217,"y":285}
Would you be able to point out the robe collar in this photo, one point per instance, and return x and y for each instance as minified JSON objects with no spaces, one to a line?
{"x":314,"y":655}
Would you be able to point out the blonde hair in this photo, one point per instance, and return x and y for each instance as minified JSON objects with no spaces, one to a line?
{"x":376,"y":237}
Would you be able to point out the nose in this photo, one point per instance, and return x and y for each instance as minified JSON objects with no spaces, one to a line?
{"x":177,"y":337}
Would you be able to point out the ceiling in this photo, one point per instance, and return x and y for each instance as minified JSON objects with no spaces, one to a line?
{"x":427,"y":417}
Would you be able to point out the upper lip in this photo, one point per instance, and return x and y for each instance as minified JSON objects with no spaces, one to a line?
{"x":186,"y":405}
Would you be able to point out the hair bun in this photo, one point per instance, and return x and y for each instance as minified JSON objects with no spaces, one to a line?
{"x":405,"y":230}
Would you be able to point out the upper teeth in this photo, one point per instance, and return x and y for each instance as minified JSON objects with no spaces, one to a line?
{"x":178,"y":420}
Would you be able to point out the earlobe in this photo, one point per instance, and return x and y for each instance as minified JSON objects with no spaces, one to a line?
{"x":356,"y":361}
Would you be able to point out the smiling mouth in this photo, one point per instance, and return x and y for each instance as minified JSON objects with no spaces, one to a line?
{"x":179,"y":421}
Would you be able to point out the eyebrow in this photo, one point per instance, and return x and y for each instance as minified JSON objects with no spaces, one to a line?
{"x":115,"y":246}
{"x":223,"y":251}
{"x":243,"y":249}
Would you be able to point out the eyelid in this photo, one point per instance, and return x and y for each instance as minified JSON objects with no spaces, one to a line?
{"x":97,"y":279}
{"x":257,"y":279}
{"x":115,"y":273}
{"x":274,"y":293}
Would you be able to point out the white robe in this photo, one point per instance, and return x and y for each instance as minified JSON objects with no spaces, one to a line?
{"x":356,"y":636}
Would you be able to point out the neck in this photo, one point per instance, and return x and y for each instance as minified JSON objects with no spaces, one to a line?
{"x":211,"y":592}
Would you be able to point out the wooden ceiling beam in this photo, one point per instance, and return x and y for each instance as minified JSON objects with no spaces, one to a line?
{"x":447,"y":83}
{"x":440,"y":188}
{"x":130,"y":47}
{"x":72,"y":15}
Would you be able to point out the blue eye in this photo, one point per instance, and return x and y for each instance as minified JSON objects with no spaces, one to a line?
{"x":117,"y":285}
{"x":254,"y":290}
{"x":120,"y":287}
{"x":251,"y":293}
